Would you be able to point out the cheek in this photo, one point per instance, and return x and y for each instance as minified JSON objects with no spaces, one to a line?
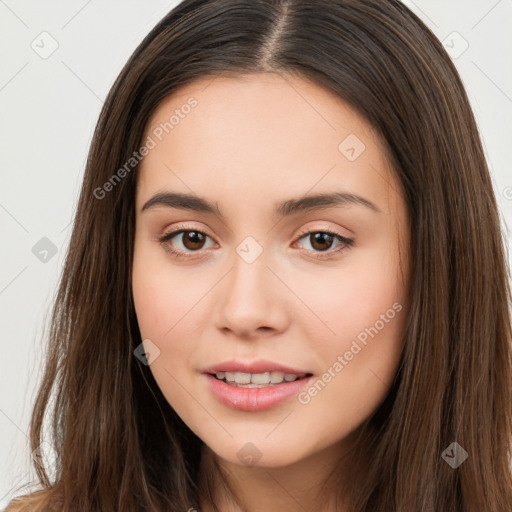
{"x":359,"y":359}
{"x":364,"y":308}
{"x":355,"y":297}
{"x":164,"y":299}
{"x":162,"y":294}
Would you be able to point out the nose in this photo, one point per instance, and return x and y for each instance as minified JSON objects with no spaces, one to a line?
{"x":251,"y":300}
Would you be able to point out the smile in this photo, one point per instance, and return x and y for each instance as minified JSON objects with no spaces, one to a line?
{"x":254,"y":397}
{"x":257,"y":380}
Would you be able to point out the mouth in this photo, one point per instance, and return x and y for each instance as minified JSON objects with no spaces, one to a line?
{"x":258,"y":380}
{"x":253,"y":392}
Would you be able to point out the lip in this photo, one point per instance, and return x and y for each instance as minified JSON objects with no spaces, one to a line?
{"x":255,"y":399}
{"x":259,"y":366}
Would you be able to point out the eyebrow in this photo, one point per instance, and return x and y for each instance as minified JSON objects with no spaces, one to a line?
{"x":282,"y":209}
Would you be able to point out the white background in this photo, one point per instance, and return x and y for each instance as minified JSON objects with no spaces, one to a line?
{"x":48,"y":110}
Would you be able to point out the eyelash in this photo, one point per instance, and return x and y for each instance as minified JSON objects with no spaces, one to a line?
{"x":346,"y":242}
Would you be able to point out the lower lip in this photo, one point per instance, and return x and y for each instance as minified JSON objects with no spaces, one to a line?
{"x":255,"y":399}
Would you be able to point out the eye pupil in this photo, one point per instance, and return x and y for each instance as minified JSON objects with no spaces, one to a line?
{"x":322,"y":238}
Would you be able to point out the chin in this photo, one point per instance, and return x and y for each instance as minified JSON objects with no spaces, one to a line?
{"x":262,"y":454}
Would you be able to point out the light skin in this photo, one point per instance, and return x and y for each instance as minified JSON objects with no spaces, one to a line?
{"x":250,"y":143}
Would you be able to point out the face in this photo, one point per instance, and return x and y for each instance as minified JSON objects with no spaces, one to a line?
{"x":289,"y":258}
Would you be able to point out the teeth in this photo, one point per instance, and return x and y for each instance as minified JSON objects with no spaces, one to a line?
{"x":256,"y":379}
{"x":242,"y":378}
{"x":276,"y":377}
{"x":260,"y":378}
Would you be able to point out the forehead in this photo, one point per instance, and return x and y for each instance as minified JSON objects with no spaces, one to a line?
{"x":262,"y":133}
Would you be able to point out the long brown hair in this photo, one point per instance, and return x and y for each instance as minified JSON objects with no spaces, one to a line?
{"x":119,"y":444}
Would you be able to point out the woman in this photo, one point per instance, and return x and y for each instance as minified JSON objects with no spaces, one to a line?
{"x":246,"y":365}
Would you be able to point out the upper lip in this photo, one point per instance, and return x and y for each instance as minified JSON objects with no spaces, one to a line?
{"x":259,"y":366}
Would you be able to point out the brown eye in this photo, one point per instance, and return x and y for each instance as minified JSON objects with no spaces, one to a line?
{"x":193,"y":240}
{"x":321,"y":241}
{"x":182,"y":243}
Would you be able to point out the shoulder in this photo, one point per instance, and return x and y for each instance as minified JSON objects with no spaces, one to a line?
{"x":35,"y":502}
{"x":22,"y":505}
{"x":15,"y":506}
